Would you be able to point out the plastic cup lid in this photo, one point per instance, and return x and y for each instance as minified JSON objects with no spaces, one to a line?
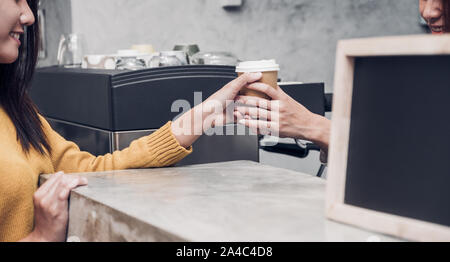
{"x":257,"y":66}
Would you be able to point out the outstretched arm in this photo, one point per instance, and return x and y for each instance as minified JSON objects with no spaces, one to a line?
{"x":156,"y":150}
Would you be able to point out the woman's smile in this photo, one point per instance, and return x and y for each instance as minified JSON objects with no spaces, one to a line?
{"x":436,"y":29}
{"x":16,"y":37}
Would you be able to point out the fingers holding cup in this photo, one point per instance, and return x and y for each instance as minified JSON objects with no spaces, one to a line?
{"x":261,"y":127}
{"x":244,"y":80}
{"x":254,"y":101}
{"x":268,"y":90}
{"x":255,"y":112}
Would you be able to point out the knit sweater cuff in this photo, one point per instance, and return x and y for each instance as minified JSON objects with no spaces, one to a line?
{"x":165,"y":147}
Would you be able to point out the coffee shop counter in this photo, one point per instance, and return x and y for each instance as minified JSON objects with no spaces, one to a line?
{"x":229,"y":201}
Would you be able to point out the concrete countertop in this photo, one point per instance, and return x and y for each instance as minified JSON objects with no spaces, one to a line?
{"x":230,"y":201}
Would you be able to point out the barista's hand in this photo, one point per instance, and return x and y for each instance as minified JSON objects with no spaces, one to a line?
{"x":282,"y":116}
{"x":51,"y":204}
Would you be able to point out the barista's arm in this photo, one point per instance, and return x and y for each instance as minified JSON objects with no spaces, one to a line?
{"x":282,"y":116}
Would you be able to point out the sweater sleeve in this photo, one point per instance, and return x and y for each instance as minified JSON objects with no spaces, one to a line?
{"x":158,"y":149}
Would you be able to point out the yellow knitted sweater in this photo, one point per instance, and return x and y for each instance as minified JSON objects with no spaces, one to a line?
{"x":19,"y":172}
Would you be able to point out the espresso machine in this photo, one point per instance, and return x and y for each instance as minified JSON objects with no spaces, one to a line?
{"x":104,"y":110}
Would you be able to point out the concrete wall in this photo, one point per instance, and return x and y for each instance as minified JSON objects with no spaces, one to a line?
{"x":300,"y":34}
{"x":58,"y":17}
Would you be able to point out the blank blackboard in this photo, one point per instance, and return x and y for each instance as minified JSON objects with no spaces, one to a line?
{"x":399,"y":141}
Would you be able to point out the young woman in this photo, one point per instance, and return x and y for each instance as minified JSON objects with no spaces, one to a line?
{"x":29,"y":147}
{"x":288,"y":118}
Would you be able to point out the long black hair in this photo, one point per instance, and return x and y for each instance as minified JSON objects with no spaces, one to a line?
{"x":15,"y":82}
{"x":447,"y":16}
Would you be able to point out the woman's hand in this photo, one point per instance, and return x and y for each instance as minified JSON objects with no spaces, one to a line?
{"x":216,"y":107}
{"x":282,"y":116}
{"x":212,"y":112}
{"x":51,"y":212}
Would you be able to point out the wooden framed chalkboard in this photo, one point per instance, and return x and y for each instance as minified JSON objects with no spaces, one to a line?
{"x":389,"y":157}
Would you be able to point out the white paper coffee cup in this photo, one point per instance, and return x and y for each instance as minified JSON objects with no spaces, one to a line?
{"x":269,"y":70}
